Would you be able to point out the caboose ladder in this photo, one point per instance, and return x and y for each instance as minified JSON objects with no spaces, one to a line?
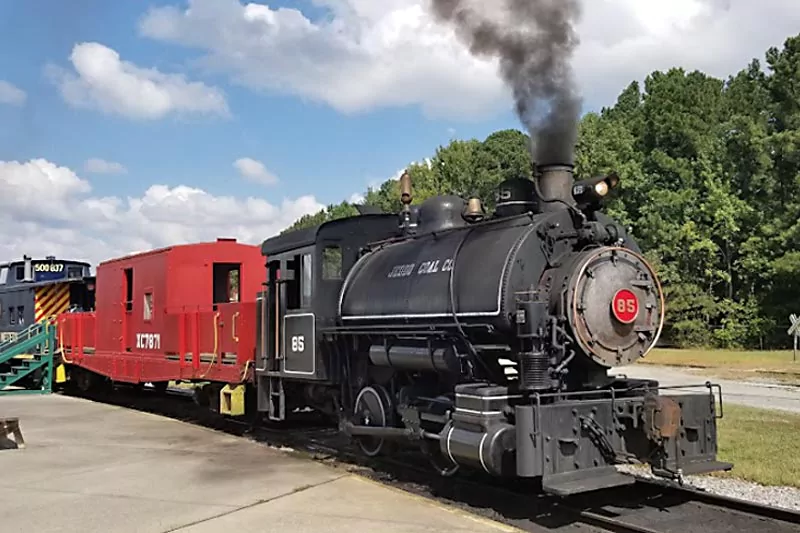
{"x":30,"y":356}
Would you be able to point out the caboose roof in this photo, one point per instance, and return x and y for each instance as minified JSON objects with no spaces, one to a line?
{"x":37,"y":284}
{"x":167,"y":249}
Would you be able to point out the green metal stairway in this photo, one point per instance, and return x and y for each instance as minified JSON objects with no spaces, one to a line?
{"x":26,"y":363}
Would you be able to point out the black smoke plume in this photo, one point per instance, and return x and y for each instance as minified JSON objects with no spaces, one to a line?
{"x":534,"y":40}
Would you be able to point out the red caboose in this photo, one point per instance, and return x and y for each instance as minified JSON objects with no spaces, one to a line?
{"x":183,"y":313}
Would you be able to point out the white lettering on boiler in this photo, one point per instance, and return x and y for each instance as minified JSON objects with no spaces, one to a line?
{"x":426,"y":267}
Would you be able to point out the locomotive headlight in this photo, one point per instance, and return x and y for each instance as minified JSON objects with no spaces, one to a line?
{"x":589,"y":193}
{"x":601,"y":188}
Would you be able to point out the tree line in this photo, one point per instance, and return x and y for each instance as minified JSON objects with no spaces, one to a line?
{"x":710,"y":173}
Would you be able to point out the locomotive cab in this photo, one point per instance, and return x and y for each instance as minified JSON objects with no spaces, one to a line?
{"x":305,"y":270}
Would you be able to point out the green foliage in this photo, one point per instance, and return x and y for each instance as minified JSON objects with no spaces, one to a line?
{"x":332,"y":212}
{"x":710,"y":185}
{"x":467,"y":168}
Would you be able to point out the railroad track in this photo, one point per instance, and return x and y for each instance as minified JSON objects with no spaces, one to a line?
{"x":656,"y":507}
{"x":648,"y":506}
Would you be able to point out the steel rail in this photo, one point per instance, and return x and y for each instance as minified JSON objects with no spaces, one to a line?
{"x":729,"y":503}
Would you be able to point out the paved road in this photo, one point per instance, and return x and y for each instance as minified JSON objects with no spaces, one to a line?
{"x":764,"y":395}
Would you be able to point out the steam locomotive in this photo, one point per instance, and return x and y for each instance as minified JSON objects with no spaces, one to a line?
{"x":484,"y":339}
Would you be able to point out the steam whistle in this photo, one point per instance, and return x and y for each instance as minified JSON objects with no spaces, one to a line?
{"x":406,"y":198}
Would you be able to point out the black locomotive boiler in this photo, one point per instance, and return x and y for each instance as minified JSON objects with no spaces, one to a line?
{"x":486,"y":340}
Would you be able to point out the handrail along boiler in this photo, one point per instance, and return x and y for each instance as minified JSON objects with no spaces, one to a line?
{"x":484,"y":339}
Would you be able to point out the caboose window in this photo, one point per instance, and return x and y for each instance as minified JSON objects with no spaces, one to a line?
{"x":332,"y":263}
{"x":226,"y":282}
{"x":148,"y":306}
{"x":3,"y":275}
{"x":233,"y":285}
{"x":129,"y":289}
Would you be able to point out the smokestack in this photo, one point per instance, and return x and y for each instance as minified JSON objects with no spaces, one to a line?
{"x":555,"y":186}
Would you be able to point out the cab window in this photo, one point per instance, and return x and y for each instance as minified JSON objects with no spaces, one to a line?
{"x":299,"y":291}
{"x":332,"y":263}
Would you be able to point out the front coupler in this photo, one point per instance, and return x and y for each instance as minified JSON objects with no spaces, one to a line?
{"x":574,"y":443}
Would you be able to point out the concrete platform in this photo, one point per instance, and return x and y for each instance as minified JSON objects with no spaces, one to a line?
{"x":91,"y":467}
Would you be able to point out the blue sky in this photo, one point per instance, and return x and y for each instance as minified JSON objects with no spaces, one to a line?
{"x":319,"y":98}
{"x":308,"y":145}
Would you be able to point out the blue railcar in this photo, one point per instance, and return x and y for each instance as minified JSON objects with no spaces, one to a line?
{"x":32,"y":290}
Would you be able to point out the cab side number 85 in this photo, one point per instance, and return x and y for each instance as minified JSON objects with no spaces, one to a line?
{"x":298,"y":343}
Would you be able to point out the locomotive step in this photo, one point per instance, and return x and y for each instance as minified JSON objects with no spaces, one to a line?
{"x":701,"y":467}
{"x":585,"y":481}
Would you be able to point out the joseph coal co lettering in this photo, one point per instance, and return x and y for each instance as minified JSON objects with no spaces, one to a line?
{"x":426,"y":267}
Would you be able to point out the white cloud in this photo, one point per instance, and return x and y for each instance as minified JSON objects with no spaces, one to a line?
{"x":255,"y":171}
{"x":103,"y":81}
{"x":101,"y":166}
{"x":624,"y":40}
{"x":356,"y":198}
{"x":38,"y":190}
{"x":38,"y":200}
{"x":11,"y":94}
{"x":369,"y":54}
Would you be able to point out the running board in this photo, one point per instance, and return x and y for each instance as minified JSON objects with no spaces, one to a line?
{"x":585,"y":481}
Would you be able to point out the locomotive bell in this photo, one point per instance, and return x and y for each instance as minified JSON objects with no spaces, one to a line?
{"x":474,"y":212}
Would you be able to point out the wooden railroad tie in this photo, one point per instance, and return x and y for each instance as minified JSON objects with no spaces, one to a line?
{"x":10,"y":426}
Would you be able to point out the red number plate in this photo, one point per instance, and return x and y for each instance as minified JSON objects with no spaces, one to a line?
{"x":625,"y":306}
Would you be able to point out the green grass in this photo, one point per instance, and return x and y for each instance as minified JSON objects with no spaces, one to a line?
{"x":761,"y":444}
{"x":732,"y":364}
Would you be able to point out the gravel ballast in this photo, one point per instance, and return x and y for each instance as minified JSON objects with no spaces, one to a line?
{"x":775,"y":496}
